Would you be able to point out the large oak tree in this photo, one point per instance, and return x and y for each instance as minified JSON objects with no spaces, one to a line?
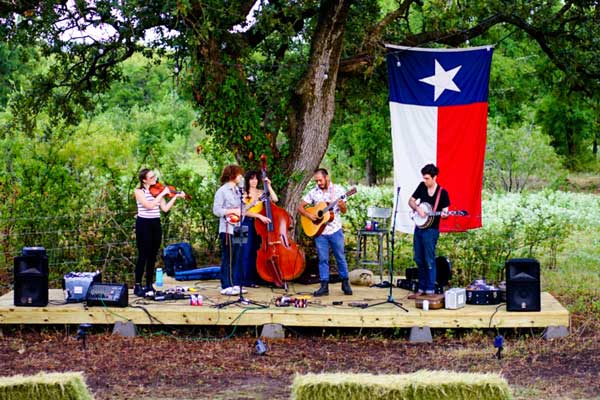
{"x":265,"y":74}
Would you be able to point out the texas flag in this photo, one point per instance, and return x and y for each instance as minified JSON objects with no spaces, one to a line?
{"x":438,"y":106}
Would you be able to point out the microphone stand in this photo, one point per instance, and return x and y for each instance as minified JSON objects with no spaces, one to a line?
{"x":390,"y":298}
{"x":240,"y":239}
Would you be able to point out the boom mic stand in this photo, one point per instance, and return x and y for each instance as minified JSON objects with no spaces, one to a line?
{"x":240,"y":237}
{"x":390,"y":298}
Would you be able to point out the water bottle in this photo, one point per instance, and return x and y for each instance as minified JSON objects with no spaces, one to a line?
{"x":159,"y":277}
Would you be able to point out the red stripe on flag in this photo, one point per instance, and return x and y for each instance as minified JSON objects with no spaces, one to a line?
{"x":460,"y":155}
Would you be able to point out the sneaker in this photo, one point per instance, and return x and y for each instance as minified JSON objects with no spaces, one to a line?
{"x":236,"y":290}
{"x":228,"y":291}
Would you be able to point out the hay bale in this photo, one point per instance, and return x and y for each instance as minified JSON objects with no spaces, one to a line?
{"x":361,"y":277}
{"x":421,"y":385}
{"x":47,"y":386}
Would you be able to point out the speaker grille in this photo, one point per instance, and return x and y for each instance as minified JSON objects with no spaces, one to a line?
{"x":522,"y":269}
{"x":31,"y":291}
{"x":523,"y":292}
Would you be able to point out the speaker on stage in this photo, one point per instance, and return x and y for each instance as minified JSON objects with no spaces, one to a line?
{"x":523,"y":285}
{"x":31,"y":280}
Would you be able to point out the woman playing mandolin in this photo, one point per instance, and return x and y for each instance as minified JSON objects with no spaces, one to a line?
{"x":148,"y":231}
{"x":253,"y":197}
{"x":227,"y":203}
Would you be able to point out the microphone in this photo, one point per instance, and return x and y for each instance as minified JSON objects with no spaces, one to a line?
{"x":398,"y":191}
{"x":240,"y":187}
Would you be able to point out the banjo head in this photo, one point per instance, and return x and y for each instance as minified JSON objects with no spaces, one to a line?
{"x":423,"y":222}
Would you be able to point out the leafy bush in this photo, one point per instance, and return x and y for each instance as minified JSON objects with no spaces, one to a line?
{"x":514,"y":225}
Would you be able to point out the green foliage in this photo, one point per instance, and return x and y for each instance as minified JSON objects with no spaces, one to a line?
{"x":361,"y":144}
{"x":70,"y":187}
{"x":516,"y":157}
{"x":570,"y":120}
{"x":514,"y":225}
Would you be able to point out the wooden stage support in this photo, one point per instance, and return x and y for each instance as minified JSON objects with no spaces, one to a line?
{"x":320,"y":311}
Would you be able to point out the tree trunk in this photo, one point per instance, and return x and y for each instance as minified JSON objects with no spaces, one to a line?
{"x":370,"y":172}
{"x":313,"y":102}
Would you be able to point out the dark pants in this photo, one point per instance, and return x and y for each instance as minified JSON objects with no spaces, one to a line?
{"x":230,"y":271}
{"x":148,"y":236}
{"x":424,"y":243}
{"x":248,"y":254}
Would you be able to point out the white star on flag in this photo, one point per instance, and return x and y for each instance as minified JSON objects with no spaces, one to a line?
{"x":442,"y":80}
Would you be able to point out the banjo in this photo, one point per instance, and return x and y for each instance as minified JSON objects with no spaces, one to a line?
{"x":427,"y":220}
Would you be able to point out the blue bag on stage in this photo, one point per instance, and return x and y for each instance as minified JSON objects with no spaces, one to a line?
{"x":199,"y":274}
{"x":178,"y":257}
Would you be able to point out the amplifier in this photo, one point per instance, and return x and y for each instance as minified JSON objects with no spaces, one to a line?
{"x":483,"y":297}
{"x":107,"y":294}
{"x":455,"y":298}
{"x":76,"y":285}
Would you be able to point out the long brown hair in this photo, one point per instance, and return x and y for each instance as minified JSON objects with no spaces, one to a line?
{"x":142,"y":176}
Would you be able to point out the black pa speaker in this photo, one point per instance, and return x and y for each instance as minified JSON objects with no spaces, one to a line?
{"x":31,"y":280}
{"x":523,"y":291}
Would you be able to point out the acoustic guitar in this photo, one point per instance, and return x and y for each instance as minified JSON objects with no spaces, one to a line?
{"x":323,"y":212}
{"x":427,"y":220}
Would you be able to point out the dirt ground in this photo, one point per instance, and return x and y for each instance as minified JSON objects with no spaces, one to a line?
{"x":173,"y":363}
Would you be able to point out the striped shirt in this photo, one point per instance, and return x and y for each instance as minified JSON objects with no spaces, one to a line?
{"x":143,"y":212}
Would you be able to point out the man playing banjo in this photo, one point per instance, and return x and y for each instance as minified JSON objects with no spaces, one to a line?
{"x":430,"y":202}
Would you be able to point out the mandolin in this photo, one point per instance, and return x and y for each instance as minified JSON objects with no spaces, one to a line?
{"x":324,"y":213}
{"x":427,"y":220}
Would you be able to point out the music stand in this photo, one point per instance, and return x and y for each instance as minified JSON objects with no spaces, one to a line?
{"x":390,"y":298}
{"x":240,"y":237}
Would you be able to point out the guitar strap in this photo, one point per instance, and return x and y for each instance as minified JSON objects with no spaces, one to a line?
{"x":437,"y":198}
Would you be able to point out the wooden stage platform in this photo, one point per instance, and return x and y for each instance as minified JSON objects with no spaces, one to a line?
{"x":320,"y":311}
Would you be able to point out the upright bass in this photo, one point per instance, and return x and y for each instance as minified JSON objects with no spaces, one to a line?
{"x":278,"y":259}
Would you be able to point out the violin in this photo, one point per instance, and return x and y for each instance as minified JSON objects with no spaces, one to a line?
{"x":158,"y":187}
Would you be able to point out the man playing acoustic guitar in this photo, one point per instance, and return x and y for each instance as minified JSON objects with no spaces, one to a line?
{"x":426,"y":236}
{"x":332,"y":235}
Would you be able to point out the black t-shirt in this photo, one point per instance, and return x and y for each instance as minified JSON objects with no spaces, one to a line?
{"x":421,"y":193}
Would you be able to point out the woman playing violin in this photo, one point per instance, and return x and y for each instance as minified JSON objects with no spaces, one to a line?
{"x":148,"y":231}
{"x":253,"y":197}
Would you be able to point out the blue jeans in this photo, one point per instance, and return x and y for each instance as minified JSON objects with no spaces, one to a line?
{"x":336,"y":242}
{"x":424,"y":243}
{"x":230,"y":274}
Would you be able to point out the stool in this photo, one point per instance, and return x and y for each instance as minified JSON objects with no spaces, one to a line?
{"x":382,"y":234}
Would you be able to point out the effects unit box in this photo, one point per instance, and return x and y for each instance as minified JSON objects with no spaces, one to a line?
{"x":455,"y":298}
